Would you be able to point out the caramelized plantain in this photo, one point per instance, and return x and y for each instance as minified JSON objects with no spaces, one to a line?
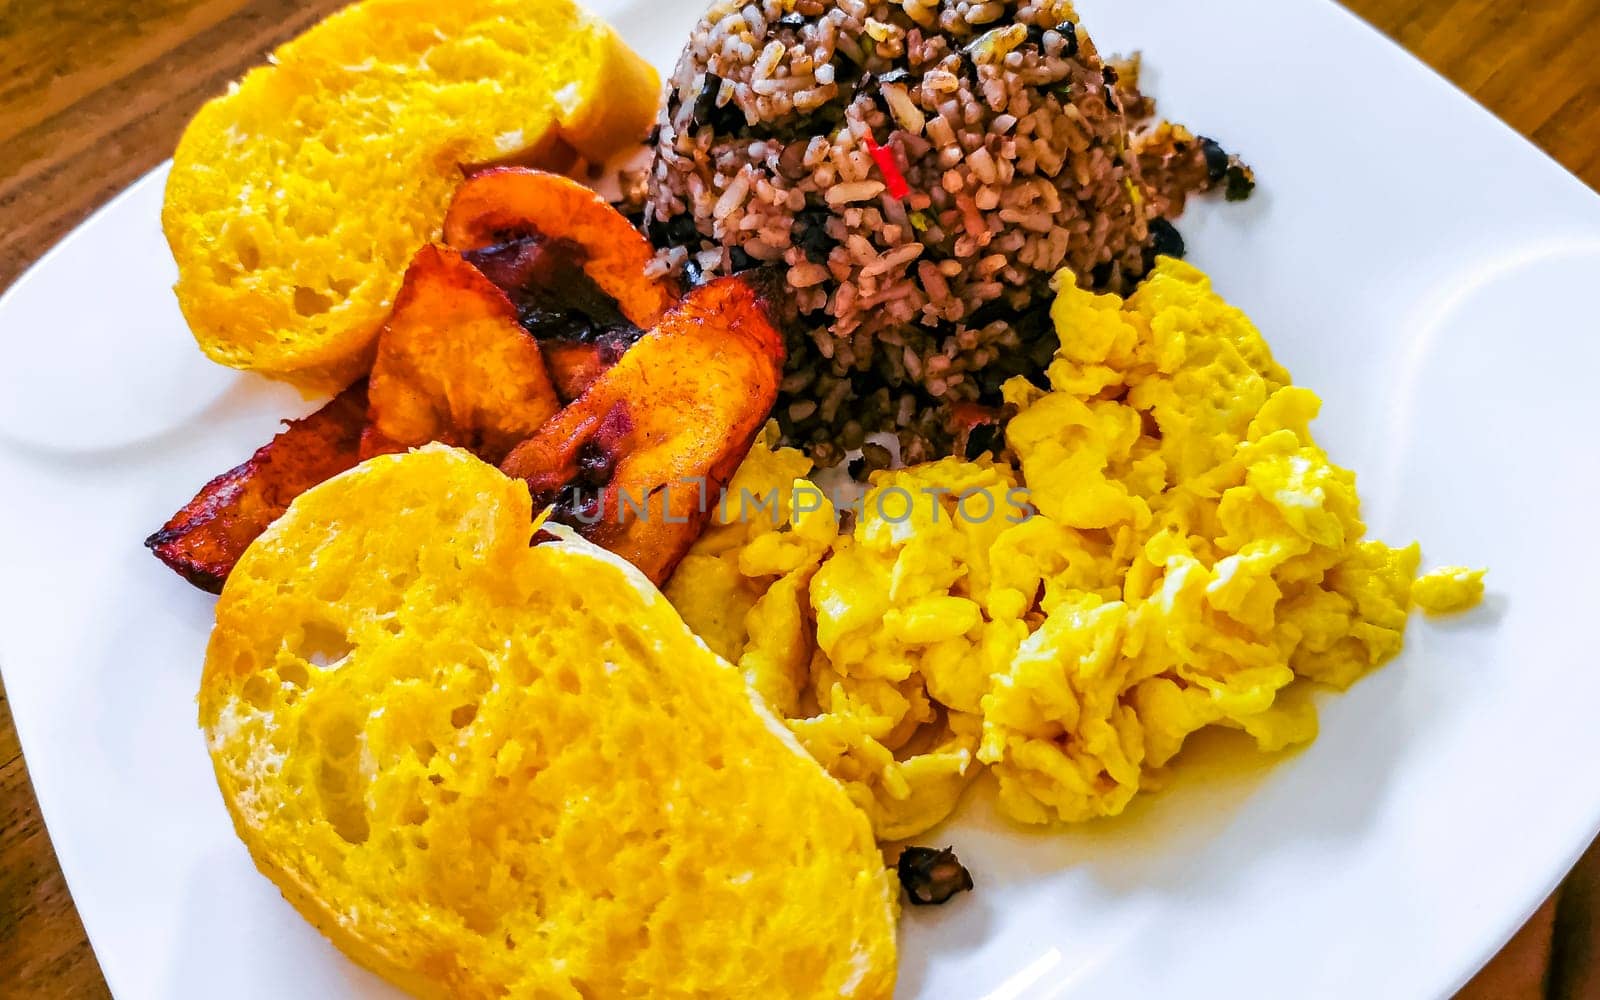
{"x":454,"y":365}
{"x":580,"y":328}
{"x":510,"y":203}
{"x":574,"y":366}
{"x":638,"y":462}
{"x":204,"y":539}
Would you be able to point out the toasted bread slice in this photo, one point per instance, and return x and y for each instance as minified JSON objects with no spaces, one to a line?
{"x":486,"y":769}
{"x":296,"y":200}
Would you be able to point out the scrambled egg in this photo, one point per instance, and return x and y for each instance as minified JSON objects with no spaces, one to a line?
{"x":1448,"y":589}
{"x":1164,"y":548}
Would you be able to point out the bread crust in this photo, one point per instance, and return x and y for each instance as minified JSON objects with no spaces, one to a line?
{"x":484,"y":768}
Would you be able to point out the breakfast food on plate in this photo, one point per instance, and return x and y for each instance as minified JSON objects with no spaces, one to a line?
{"x":628,"y":442}
{"x":634,"y":462}
{"x":204,"y":539}
{"x":575,"y":267}
{"x":1448,"y":589}
{"x":1161,"y":547}
{"x":932,"y":876}
{"x":463,"y":357}
{"x":921,"y":169}
{"x":451,"y":715}
{"x":487,"y":768}
{"x":296,"y":199}
{"x":509,"y":203}
{"x":455,"y":366}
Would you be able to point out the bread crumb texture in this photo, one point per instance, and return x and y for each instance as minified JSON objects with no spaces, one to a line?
{"x":490,"y":769}
{"x":297,"y":198}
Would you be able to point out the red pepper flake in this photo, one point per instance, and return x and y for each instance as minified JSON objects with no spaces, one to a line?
{"x":892,"y":177}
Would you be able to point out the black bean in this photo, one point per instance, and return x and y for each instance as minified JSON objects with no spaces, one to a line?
{"x":990,"y":379}
{"x":1039,"y":354}
{"x":1165,"y":239}
{"x":812,"y":225}
{"x":792,"y":161}
{"x":981,"y":439}
{"x":990,"y":312}
{"x":682,"y":230}
{"x":725,"y":118}
{"x":1216,"y":159}
{"x":793,"y":127}
{"x":705,"y":102}
{"x":678,"y":231}
{"x":1035,"y":34}
{"x":1069,"y":32}
{"x":693,"y":276}
{"x":930,"y":876}
{"x":791,"y":20}
{"x":740,"y":260}
{"x":1034,"y":325}
{"x":1109,"y":75}
{"x":1241,"y":182}
{"x":868,"y":85}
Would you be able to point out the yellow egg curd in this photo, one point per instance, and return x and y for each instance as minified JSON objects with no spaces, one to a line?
{"x":1161,"y":547}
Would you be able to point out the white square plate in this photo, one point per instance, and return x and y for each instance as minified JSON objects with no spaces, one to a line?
{"x":1426,"y":270}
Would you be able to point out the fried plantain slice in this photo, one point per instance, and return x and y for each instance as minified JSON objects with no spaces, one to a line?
{"x":638,"y":462}
{"x":504,"y":204}
{"x":454,"y":365}
{"x":580,"y":328}
{"x":575,"y":365}
{"x":204,"y":539}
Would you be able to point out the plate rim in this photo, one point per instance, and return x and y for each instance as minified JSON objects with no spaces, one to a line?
{"x":1450,"y":981}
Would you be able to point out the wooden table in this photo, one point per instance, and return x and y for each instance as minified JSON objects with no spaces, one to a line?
{"x":94,"y":93}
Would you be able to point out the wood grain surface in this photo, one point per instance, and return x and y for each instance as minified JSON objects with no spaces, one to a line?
{"x":93,"y":93}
